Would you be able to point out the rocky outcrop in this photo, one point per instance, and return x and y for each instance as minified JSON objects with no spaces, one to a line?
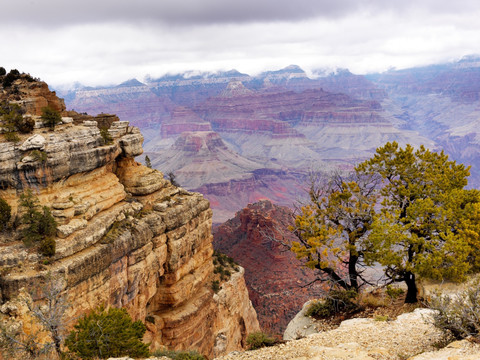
{"x":32,"y":95}
{"x":274,"y":276}
{"x":408,"y":336}
{"x":126,"y":238}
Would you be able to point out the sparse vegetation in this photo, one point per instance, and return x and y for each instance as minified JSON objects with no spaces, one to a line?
{"x":5,"y":214}
{"x":40,"y":226}
{"x":39,"y":155}
{"x":259,"y":339}
{"x":171,"y":177}
{"x":27,"y":340}
{"x":8,"y":79}
{"x":107,"y":138}
{"x":107,"y":333}
{"x":148,"y":163}
{"x":224,"y":265}
{"x":179,"y":355}
{"x":215,"y":286}
{"x":459,"y":314}
{"x":50,"y":117}
{"x":336,"y":301}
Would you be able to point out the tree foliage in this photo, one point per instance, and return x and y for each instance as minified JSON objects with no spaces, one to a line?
{"x":422,"y":228}
{"x":40,"y":225}
{"x":412,"y":215}
{"x":107,"y":333}
{"x":331,"y":228}
{"x":5,"y":214}
{"x":50,"y":117}
{"x":148,"y":162}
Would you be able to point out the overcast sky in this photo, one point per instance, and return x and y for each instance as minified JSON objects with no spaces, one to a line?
{"x":109,"y":41}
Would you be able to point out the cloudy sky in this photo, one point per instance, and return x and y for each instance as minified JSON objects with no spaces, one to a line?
{"x":109,"y":41}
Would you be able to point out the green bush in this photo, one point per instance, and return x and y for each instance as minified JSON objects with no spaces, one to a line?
{"x":25,"y":125}
{"x":5,"y":214}
{"x":337,"y":301}
{"x":107,"y":333}
{"x":394,"y":292}
{"x":258,"y":340}
{"x":40,"y":224}
{"x":179,"y":355}
{"x":50,"y":117}
{"x":215,"y":286}
{"x":107,"y":138}
{"x":8,"y":80}
{"x":458,"y":314}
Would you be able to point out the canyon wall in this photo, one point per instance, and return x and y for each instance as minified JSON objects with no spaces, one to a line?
{"x":126,"y":237}
{"x":276,"y":280}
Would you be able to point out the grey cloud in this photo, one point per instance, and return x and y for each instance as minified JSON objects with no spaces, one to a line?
{"x":51,"y":13}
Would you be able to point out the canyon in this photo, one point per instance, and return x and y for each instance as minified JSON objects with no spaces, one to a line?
{"x":126,"y":237}
{"x":289,"y":123}
{"x":276,"y":281}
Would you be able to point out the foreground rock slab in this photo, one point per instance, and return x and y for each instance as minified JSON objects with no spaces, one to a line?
{"x":366,"y":339}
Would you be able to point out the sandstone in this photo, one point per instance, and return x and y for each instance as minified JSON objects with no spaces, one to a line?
{"x":74,"y":225}
{"x":67,"y":120}
{"x":277,"y":294}
{"x":126,"y":238}
{"x":132,"y":144}
{"x":34,"y":142}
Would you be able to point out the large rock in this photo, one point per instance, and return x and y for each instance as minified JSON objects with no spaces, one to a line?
{"x":126,"y":238}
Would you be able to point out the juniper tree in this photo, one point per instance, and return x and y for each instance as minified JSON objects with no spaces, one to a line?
{"x":424,"y":227}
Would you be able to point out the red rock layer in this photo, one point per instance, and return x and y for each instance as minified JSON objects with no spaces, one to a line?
{"x":273,"y":275}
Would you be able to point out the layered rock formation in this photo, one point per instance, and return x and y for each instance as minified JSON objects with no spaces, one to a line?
{"x":126,"y":238}
{"x":274,"y":277}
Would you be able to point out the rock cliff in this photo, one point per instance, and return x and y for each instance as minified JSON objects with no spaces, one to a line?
{"x":126,"y":238}
{"x":274,"y":276}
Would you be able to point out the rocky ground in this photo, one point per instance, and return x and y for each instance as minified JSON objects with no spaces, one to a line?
{"x":411,"y":336}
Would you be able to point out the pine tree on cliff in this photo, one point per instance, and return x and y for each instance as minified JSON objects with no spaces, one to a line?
{"x":426,"y":226}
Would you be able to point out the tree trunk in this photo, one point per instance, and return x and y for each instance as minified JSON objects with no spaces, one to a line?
{"x":352,"y":272}
{"x":411,"y":297}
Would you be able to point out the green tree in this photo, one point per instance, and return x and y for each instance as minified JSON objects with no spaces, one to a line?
{"x":5,"y":214}
{"x":50,"y":117}
{"x":40,"y":225}
{"x":107,"y":333}
{"x":2,"y":71}
{"x":148,"y":163}
{"x":331,"y":228}
{"x":422,"y":228}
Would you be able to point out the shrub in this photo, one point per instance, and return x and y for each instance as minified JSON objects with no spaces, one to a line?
{"x":25,"y":125}
{"x":107,"y":333}
{"x":257,"y":340}
{"x":39,"y":155}
{"x":148,"y":162}
{"x":215,"y":286}
{"x":5,"y":214}
{"x":337,"y":301}
{"x":50,"y":117}
{"x":394,"y":292}
{"x":2,"y":71}
{"x":179,"y":355}
{"x":11,"y":136}
{"x":8,"y":80}
{"x":40,"y":224}
{"x":107,"y":138}
{"x":459,"y":314}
